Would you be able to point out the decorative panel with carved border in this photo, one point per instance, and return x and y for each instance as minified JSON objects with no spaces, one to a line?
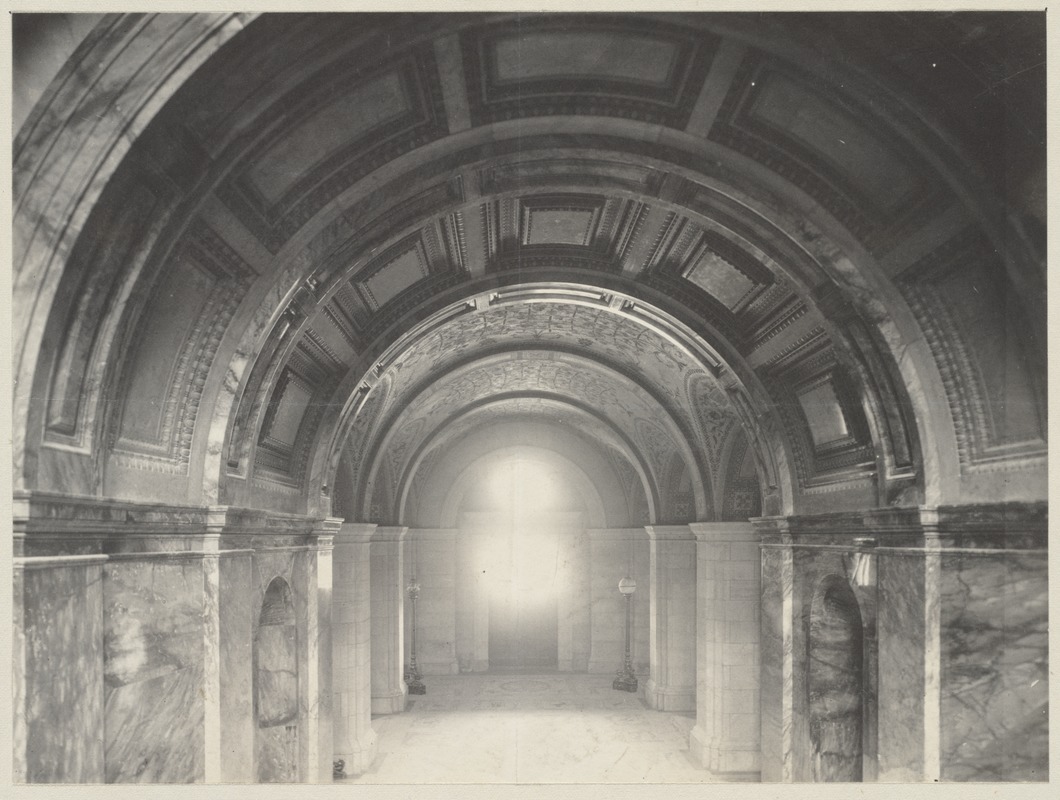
{"x":328,"y":133}
{"x":598,"y":65}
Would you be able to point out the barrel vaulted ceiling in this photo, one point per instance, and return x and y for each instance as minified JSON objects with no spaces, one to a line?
{"x":327,"y":252}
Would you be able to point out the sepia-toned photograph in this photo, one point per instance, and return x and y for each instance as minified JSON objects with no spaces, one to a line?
{"x":529,"y":398}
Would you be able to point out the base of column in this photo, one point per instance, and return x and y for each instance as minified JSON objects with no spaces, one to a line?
{"x":359,"y":760}
{"x":393,"y":703}
{"x":731,"y":762}
{"x":670,"y":698}
{"x":699,"y":747}
{"x":480,"y":665}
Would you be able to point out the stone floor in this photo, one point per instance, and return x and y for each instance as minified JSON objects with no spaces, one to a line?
{"x":527,"y":729}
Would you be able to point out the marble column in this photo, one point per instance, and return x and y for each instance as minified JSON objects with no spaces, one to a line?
{"x":351,"y":630}
{"x":319,"y":722}
{"x":672,"y":615}
{"x":726,"y":737}
{"x":389,"y":691}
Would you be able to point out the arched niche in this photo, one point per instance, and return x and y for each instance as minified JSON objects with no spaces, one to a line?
{"x":836,"y":683}
{"x":276,"y":687}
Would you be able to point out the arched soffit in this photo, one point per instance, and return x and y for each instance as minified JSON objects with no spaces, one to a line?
{"x":720,"y":177}
{"x":570,"y":425}
{"x":435,"y":491}
{"x":478,"y":472}
{"x":657,"y":424}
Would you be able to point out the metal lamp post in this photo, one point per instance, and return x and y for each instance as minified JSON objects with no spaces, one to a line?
{"x":412,"y":676}
{"x":626,"y":680}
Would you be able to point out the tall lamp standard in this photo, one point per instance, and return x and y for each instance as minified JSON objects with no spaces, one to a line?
{"x":626,"y":680}
{"x":412,"y":676}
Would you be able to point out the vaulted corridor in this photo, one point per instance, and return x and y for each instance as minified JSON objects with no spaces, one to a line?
{"x":694,"y":363}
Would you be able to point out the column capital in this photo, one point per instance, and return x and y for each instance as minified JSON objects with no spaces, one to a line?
{"x":322,"y":537}
{"x":389,"y":533}
{"x":675,"y":533}
{"x":355,"y":532}
{"x":725,"y":532}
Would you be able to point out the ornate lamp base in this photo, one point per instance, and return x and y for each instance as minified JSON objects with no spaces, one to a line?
{"x":625,"y":682}
{"x":416,"y":686}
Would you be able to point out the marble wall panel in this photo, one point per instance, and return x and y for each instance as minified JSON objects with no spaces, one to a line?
{"x":776,"y":657}
{"x":277,"y":675}
{"x":58,"y":675}
{"x":278,"y":754}
{"x":901,"y":628}
{"x":236,"y":612}
{"x":153,"y":668}
{"x":994,"y":671}
{"x":835,"y":683}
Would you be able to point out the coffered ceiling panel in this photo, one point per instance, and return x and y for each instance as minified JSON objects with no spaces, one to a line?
{"x":833,"y":147}
{"x":596,"y":65}
{"x":324,"y":135}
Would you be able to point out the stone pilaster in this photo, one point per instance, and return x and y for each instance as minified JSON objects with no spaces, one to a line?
{"x":320,"y":725}
{"x":355,"y":741}
{"x":726,"y":738}
{"x":672,"y":614}
{"x":389,"y":691}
